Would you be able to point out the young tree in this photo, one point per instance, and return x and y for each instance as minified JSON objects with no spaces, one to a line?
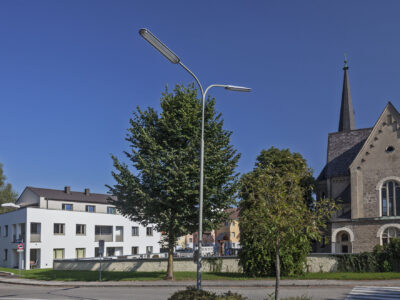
{"x":277,"y":219}
{"x":6,"y":192}
{"x":163,"y":186}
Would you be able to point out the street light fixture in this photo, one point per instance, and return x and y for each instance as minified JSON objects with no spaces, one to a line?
{"x":173,"y":58}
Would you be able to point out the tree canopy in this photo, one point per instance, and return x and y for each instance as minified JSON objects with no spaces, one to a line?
{"x":278,"y":218}
{"x":160,"y":184}
{"x":6,"y":192}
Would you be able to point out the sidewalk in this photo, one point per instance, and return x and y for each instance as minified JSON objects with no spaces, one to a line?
{"x":206,"y":283}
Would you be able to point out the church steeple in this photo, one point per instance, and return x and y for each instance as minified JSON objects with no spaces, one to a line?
{"x":346,"y":122}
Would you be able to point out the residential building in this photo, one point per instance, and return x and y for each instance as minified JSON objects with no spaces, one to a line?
{"x":225,"y":239}
{"x":363,"y":173}
{"x":56,"y":224}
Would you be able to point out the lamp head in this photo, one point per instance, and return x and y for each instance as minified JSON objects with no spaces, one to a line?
{"x":156,"y":43}
{"x":237,"y":88}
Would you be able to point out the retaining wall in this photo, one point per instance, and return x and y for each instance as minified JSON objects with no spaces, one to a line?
{"x":315,"y":263}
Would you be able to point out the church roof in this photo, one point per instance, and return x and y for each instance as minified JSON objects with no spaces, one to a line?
{"x":343,"y":147}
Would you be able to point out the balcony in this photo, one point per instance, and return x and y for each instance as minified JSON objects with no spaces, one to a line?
{"x":35,"y":237}
{"x":105,"y":237}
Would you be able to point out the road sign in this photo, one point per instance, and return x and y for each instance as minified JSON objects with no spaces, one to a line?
{"x":20,"y":246}
{"x":101,"y":247}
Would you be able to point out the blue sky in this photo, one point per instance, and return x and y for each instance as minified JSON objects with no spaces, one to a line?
{"x":72,"y":72}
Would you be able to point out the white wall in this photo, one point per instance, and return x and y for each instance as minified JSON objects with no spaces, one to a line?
{"x":70,"y":241}
{"x":11,"y":218}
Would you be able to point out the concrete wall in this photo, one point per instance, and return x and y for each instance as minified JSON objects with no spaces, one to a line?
{"x":315,"y":263}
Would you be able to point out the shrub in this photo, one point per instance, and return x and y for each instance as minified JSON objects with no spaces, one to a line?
{"x":193,"y":294}
{"x":382,"y":259}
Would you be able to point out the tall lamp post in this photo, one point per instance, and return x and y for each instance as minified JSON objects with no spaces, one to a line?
{"x":173,"y":58}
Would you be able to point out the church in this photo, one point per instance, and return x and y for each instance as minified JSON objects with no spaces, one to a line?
{"x":362,"y":171}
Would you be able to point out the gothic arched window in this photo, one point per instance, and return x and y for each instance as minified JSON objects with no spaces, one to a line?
{"x":390,"y":197}
{"x":390,"y":233}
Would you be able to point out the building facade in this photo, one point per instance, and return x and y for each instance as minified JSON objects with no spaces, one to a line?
{"x":57,"y":224}
{"x":363,"y":173}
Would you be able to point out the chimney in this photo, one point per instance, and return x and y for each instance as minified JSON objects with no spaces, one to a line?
{"x":87,"y":192}
{"x":67,"y":189}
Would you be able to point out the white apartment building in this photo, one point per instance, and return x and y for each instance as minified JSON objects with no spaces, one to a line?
{"x":57,"y":224}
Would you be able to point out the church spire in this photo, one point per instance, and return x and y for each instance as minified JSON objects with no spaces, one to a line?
{"x":346,"y":122}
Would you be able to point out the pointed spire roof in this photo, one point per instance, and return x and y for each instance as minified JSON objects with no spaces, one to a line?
{"x":346,"y":122}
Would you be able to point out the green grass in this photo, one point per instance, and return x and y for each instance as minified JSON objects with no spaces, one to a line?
{"x":49,"y":274}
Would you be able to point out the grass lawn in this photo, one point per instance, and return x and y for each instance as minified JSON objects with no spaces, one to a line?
{"x":49,"y":274}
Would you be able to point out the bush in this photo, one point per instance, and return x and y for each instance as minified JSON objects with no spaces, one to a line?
{"x":382,"y":259}
{"x":193,"y":294}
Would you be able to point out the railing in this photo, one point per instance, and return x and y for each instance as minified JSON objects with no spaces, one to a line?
{"x":35,"y":237}
{"x":105,"y":237}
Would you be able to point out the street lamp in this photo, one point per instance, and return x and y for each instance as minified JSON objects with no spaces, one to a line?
{"x":173,"y":58}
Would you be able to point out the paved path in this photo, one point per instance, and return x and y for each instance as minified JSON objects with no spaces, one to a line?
{"x":374,"y":292}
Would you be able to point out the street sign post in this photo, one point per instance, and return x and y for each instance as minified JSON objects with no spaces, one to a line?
{"x":101,"y":253}
{"x":20,"y":249}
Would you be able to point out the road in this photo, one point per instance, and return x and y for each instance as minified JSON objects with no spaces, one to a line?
{"x":25,"y":292}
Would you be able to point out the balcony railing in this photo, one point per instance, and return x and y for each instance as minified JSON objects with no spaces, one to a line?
{"x":105,"y":237}
{"x":35,"y":237}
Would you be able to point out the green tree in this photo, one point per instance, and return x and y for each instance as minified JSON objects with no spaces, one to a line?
{"x":6,"y":192}
{"x":278,"y":219}
{"x":162,"y":187}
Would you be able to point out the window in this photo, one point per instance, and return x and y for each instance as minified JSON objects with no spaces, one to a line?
{"x":390,"y":198}
{"x":135,"y":231}
{"x":6,"y":230}
{"x":96,"y":252}
{"x":111,"y":210}
{"x":35,"y":228}
{"x":5,"y":254}
{"x":345,"y":249}
{"x":389,"y":234}
{"x":80,"y":252}
{"x":135,"y":250}
{"x":90,"y":208}
{"x":66,"y":206}
{"x":110,"y":251}
{"x":190,"y":240}
{"x":59,"y":228}
{"x":345,"y":238}
{"x":103,"y":233}
{"x":233,"y":234}
{"x":149,"y":249}
{"x":58,"y":253}
{"x":80,"y":229}
{"x":226,"y":223}
{"x":119,"y":233}
{"x":149,"y":231}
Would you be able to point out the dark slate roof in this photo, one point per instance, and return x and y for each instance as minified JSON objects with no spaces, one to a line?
{"x":343,"y":147}
{"x":71,"y":196}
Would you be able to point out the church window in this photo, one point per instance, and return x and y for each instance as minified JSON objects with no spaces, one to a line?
{"x":345,"y":237}
{"x":389,"y":234}
{"x":390,"y":198}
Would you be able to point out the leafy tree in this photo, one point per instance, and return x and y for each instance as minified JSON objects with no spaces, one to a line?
{"x":278,"y":219}
{"x":163,"y":186}
{"x":6,"y":192}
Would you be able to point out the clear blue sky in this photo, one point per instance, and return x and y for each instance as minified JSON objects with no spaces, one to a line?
{"x":72,"y":72}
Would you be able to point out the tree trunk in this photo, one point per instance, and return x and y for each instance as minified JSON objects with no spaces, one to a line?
{"x":278,"y":272}
{"x":170,"y":269}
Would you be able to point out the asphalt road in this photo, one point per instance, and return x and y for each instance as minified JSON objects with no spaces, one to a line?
{"x":25,"y":292}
